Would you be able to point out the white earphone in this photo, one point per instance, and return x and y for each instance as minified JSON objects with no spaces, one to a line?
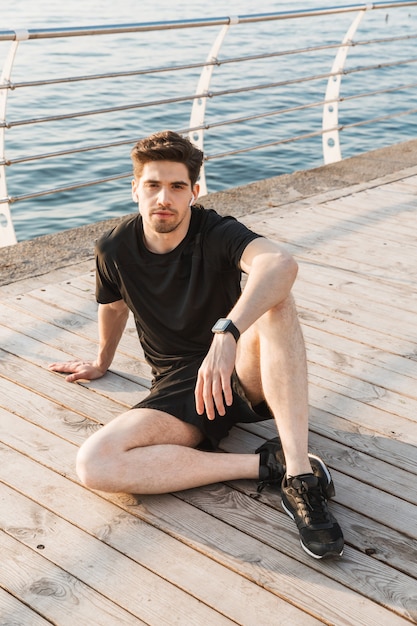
{"x":192,"y":200}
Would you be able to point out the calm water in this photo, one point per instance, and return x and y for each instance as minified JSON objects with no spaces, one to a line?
{"x":86,"y":55}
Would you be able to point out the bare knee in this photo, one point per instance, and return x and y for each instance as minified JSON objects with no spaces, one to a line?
{"x":92,"y":466}
{"x":84,"y":463}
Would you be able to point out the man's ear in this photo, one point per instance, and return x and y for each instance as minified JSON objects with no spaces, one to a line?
{"x":196,"y":191}
{"x":135,"y":197}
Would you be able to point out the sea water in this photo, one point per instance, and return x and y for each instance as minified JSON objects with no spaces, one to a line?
{"x":41,"y":59}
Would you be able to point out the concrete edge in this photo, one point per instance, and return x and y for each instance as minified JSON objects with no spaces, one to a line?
{"x":284,"y":193}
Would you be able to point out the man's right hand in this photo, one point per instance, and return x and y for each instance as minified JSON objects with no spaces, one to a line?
{"x":78,"y":370}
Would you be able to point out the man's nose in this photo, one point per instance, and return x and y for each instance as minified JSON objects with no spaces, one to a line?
{"x":164,"y":196}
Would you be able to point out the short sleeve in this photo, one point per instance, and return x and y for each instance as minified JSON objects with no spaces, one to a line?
{"x":226,"y":241}
{"x":107,"y":288}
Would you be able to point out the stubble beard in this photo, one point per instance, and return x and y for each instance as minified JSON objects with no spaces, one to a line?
{"x":164,"y":227}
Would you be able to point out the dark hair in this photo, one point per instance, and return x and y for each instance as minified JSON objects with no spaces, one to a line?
{"x":167,"y":146}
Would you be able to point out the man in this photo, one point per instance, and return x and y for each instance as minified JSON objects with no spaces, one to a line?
{"x":218,"y":357}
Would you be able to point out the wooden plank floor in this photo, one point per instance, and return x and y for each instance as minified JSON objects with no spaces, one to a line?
{"x":222,"y":554}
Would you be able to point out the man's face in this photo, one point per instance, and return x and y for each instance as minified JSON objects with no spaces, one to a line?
{"x":164,"y":194}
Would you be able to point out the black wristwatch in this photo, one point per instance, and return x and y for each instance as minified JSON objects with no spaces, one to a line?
{"x":226,"y":326}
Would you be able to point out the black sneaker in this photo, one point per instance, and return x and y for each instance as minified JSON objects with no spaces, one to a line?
{"x":303,"y":499}
{"x":272,"y":467}
{"x":271,"y":464}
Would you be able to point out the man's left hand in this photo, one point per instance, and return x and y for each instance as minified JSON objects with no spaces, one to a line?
{"x":213,"y":388}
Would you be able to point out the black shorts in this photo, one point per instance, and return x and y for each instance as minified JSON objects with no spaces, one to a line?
{"x":173,"y":393}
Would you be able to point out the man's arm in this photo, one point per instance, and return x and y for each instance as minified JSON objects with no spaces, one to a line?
{"x":112,"y":320}
{"x":271,"y":274}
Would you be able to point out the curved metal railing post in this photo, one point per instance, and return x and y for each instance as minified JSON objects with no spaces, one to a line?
{"x":330,"y":137}
{"x":7,"y":234}
{"x":198,"y":110}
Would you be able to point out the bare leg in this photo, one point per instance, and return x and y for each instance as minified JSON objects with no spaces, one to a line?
{"x":146,"y":451}
{"x":272,"y":365}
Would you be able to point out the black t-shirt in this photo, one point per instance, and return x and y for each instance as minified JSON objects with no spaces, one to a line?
{"x":175,"y":297}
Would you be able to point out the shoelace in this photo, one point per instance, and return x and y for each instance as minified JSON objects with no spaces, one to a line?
{"x":313,"y":502}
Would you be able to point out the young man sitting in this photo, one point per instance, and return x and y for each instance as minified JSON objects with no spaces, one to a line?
{"x":218,"y":356}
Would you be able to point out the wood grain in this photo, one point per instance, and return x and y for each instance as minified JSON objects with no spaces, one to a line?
{"x":223,"y":554}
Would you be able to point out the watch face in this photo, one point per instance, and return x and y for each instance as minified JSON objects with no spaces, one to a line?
{"x":224,"y":325}
{"x":221,"y":325}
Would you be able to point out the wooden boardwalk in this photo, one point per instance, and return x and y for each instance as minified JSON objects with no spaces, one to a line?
{"x":220,"y":554}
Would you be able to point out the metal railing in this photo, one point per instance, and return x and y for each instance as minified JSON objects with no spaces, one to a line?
{"x":198,"y":127}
